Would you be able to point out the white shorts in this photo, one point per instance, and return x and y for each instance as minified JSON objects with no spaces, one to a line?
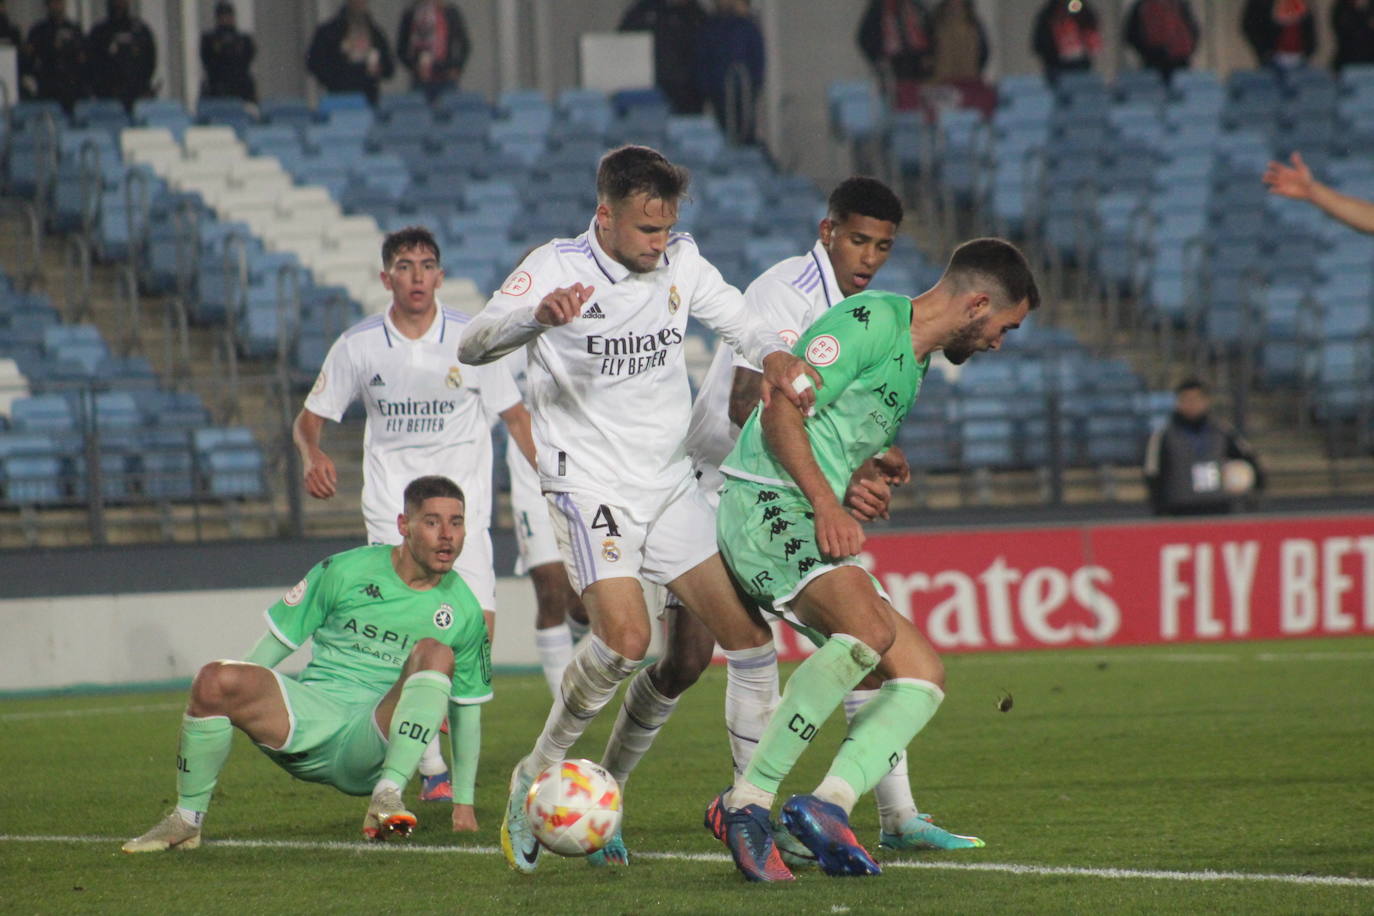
{"x":474,"y":564}
{"x":533,"y":529}
{"x":654,"y":542}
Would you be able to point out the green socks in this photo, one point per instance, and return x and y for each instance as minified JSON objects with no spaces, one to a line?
{"x":415,"y":721}
{"x":881,"y":730}
{"x":204,"y":747}
{"x":812,"y":693}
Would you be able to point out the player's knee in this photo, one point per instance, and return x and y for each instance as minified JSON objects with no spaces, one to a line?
{"x":218,"y":684}
{"x":431,"y":655}
{"x":630,"y":640}
{"x":875,"y":630}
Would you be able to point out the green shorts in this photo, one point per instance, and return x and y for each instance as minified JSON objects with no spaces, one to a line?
{"x":767,"y":536}
{"x":333,"y":739}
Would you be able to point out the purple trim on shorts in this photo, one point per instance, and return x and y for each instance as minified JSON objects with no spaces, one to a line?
{"x":577,"y":539}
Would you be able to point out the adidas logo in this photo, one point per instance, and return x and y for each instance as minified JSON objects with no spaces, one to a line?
{"x":593,"y":311}
{"x":377,"y":381}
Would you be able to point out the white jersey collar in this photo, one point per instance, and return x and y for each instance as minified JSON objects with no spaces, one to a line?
{"x":436,"y":332}
{"x":613,"y":269}
{"x":828,"y":282}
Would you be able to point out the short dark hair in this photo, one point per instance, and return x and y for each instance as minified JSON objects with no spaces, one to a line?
{"x":996,"y":261}
{"x":864,"y":196}
{"x":431,"y":487}
{"x":631,"y":170}
{"x":1191,"y":383}
{"x":406,"y":239}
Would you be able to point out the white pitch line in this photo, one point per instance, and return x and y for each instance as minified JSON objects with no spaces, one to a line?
{"x":1087,"y":658}
{"x":722,"y":859}
{"x":94,"y":711}
{"x":1315,"y":656}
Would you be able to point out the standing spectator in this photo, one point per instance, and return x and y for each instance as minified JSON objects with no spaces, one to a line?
{"x":960,"y":54}
{"x":433,"y":44}
{"x":1282,"y":33}
{"x":55,"y":58}
{"x":1066,"y":37}
{"x":121,"y":56}
{"x":1164,"y":33}
{"x":226,"y":54}
{"x":1188,"y":461}
{"x":895,"y":36}
{"x":675,"y":24}
{"x":1353,"y":23}
{"x":730,"y":68}
{"x":9,"y":32}
{"x":349,"y":53}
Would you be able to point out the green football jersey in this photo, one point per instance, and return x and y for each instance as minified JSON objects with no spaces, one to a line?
{"x":365,"y":621}
{"x":870,"y":377}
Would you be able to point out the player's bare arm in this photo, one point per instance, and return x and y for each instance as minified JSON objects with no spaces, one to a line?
{"x":893,"y":466}
{"x":745,"y":389}
{"x":781,"y":371}
{"x":869,"y":494}
{"x":784,"y":429}
{"x":517,"y":420}
{"x":1295,"y":180}
{"x":562,"y":305}
{"x":321,"y":477}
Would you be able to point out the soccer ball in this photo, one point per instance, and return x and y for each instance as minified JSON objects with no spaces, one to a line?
{"x":573,"y":807}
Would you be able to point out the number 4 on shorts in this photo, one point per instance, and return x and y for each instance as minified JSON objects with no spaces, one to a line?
{"x":604,"y":519}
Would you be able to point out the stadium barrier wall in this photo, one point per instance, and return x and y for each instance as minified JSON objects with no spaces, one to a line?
{"x":969,"y":590}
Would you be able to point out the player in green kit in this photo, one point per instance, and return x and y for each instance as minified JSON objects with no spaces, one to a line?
{"x":398,"y":642}
{"x":791,"y":545}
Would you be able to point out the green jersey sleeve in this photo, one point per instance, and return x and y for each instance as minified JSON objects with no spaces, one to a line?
{"x":845,"y":344}
{"x":299,"y":612}
{"x":472,"y":658}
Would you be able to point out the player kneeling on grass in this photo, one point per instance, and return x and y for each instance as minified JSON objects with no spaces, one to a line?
{"x":399,"y":640}
{"x":791,"y":545}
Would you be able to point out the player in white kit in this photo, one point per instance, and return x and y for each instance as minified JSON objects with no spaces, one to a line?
{"x":426,"y":414}
{"x":603,"y":317}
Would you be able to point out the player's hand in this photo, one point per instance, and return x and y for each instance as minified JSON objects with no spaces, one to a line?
{"x":321,"y":478}
{"x":868,"y":496}
{"x":562,"y":305}
{"x":838,"y":534}
{"x":892,"y":465}
{"x":782,"y":370}
{"x":1293,"y":181}
{"x":464,"y":819}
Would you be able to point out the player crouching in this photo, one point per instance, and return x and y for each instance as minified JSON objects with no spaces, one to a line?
{"x":399,"y":640}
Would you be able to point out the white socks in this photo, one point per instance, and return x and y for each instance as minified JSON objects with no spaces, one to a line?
{"x":641,"y":716}
{"x":751,"y":695}
{"x":555,"y":647}
{"x":588,"y":685}
{"x":432,"y":763}
{"x":896,"y":805}
{"x":192,"y":818}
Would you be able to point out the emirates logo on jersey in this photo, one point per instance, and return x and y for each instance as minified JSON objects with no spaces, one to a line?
{"x":443,"y":617}
{"x":454,"y":378}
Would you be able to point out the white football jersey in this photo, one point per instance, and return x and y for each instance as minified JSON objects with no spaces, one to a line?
{"x":426,"y":413}
{"x":788,"y":296}
{"x":608,"y":391}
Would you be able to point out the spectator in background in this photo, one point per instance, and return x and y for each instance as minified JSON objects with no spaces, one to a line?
{"x":895,"y":36}
{"x":121,"y":56}
{"x":1353,"y":23}
{"x":226,"y":54}
{"x":349,"y":53}
{"x":1282,"y":33}
{"x":9,"y":32}
{"x":1066,"y":37}
{"x":1190,"y":462}
{"x":960,"y":54}
{"x":432,"y":42}
{"x":674,"y":24}
{"x":1164,"y":33}
{"x":55,"y":58}
{"x":729,"y":65}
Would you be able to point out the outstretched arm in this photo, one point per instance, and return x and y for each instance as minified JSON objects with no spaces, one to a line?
{"x":465,"y":747}
{"x":1295,"y":180}
{"x":269,"y":652}
{"x":321,"y":478}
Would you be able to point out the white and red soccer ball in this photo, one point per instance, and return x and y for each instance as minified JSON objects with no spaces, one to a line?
{"x":573,"y":807}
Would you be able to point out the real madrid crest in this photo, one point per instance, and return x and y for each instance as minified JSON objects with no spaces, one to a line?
{"x":455,"y":377}
{"x":610,"y":551}
{"x":674,"y":300}
{"x":443,"y":617}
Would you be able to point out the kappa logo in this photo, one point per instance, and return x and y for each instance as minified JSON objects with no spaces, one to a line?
{"x":377,"y":381}
{"x":593,"y":311}
{"x":373,"y":592}
{"x":443,"y":617}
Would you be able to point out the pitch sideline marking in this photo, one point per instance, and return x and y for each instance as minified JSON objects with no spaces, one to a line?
{"x":722,"y":859}
{"x":95,"y":711}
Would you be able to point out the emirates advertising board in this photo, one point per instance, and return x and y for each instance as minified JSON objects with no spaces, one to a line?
{"x":1118,"y":584}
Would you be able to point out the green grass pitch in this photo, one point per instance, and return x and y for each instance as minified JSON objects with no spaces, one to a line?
{"x":1120,"y":781}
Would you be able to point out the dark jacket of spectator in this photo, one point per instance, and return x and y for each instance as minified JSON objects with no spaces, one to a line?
{"x":1281,"y":32}
{"x":896,"y":37}
{"x":55,"y":61}
{"x":960,"y":42}
{"x":1184,"y":466}
{"x":1352,"y":21}
{"x":349,"y":53}
{"x":433,"y":44}
{"x":9,"y":32}
{"x":1164,"y":33}
{"x":121,"y":56}
{"x":675,"y":25}
{"x":1066,"y":37}
{"x":729,"y":67}
{"x":226,"y":54}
